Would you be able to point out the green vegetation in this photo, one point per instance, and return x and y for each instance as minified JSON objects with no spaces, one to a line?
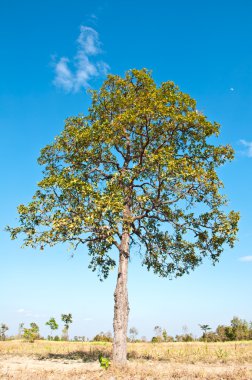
{"x":32,"y":333}
{"x":53,"y":326}
{"x":131,"y":173}
{"x":67,"y":319}
{"x":104,"y":362}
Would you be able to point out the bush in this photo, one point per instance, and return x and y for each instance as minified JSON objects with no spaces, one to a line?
{"x":31,"y":334}
{"x":156,"y":339}
{"x":103,"y":337}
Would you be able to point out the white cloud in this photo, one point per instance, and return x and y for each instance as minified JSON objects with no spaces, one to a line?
{"x":73,"y":75}
{"x":247,"y":144}
{"x":89,"y":40}
{"x":20,"y":310}
{"x":246,"y":259}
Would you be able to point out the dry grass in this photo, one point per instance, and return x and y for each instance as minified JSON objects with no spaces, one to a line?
{"x":147,"y":361}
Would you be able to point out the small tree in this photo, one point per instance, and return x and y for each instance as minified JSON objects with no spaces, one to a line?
{"x":164,"y":335}
{"x":3,"y":329}
{"x":53,"y":325}
{"x":158,"y":334}
{"x":137,"y":170}
{"x":205,"y":329}
{"x":32,"y":333}
{"x":67,"y":319}
{"x":133,"y":333}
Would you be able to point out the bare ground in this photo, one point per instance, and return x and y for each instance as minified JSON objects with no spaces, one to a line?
{"x":28,"y":368}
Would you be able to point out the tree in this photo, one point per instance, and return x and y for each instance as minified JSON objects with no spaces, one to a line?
{"x":32,"y":333}
{"x":158,"y":331}
{"x":52,"y":324}
{"x":240,"y":328}
{"x":164,"y":335}
{"x":133,"y":333}
{"x":205,"y":329}
{"x":138,"y":170}
{"x":3,"y":329}
{"x":67,"y":319}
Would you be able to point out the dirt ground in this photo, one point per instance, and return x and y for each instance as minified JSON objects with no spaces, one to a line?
{"x":29,"y":368}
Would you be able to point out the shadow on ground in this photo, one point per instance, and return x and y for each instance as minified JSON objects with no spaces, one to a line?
{"x":84,"y":356}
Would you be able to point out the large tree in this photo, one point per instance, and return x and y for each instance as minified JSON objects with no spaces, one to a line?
{"x":138,"y":170}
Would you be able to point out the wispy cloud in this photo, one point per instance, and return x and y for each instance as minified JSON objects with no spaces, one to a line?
{"x":74,"y":74}
{"x":29,"y":313}
{"x":246,"y":259}
{"x":20,"y":310}
{"x":248,"y":145}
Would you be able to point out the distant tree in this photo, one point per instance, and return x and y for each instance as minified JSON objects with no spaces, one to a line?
{"x":139,"y":169}
{"x":3,"y":329}
{"x":205,"y":329}
{"x":80,"y":338}
{"x":20,"y":330}
{"x":210,"y":337}
{"x":158,"y":335}
{"x":158,"y":330}
{"x":53,"y":325}
{"x":184,"y":338}
{"x":102,"y":337}
{"x":67,"y":319}
{"x":240,"y":328}
{"x":222,"y":333}
{"x":32,"y":333}
{"x":133,"y":333}
{"x":164,"y":335}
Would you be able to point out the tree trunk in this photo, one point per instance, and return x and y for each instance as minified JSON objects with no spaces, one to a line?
{"x":121,"y":306}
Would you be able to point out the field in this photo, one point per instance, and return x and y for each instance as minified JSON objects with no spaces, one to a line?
{"x":44,"y":360}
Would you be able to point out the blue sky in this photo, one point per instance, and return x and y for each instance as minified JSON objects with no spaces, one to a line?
{"x":51,"y":52}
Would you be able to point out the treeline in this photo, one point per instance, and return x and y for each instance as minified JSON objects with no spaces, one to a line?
{"x":238,"y":329}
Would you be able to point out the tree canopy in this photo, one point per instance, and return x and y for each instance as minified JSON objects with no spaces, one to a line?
{"x":142,"y":146}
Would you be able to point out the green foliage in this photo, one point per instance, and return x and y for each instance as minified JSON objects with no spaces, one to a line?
{"x":205,"y":329}
{"x":238,"y":330}
{"x":144,"y":146}
{"x":67,"y":319}
{"x":32,"y":333}
{"x":156,"y":339}
{"x":104,"y":362}
{"x":53,"y":325}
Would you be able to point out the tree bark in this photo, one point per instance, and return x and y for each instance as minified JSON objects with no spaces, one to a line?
{"x":121,"y":306}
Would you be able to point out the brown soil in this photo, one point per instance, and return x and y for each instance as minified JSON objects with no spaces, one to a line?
{"x":29,"y":368}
